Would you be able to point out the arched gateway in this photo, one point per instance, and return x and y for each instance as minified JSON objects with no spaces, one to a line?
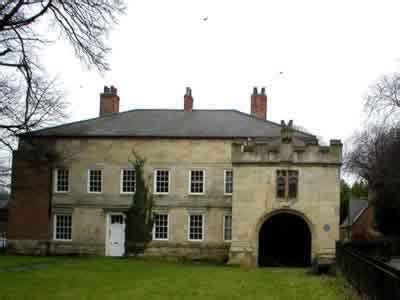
{"x":284,"y":240}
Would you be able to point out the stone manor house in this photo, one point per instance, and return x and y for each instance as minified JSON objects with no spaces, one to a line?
{"x":227,"y":185}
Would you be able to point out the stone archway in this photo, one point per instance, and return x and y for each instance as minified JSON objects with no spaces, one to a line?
{"x":284,"y":240}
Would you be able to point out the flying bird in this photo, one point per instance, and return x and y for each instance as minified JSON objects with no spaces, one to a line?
{"x":205,"y":19}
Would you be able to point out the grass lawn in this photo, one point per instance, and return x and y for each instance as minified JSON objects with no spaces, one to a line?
{"x":107,"y":278}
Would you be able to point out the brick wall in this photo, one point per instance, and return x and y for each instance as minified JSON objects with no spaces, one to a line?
{"x":361,"y":229}
{"x":30,"y":202}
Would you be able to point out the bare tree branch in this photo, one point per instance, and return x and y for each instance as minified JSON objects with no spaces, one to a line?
{"x":383,"y":99}
{"x":28,"y":99}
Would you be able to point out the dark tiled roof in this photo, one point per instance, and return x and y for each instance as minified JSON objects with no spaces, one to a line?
{"x":357,"y":206}
{"x":171,"y":123}
{"x":4,"y":198}
{"x":3,"y":204}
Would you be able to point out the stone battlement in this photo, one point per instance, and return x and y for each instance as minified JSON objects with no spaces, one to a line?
{"x":274,"y":152}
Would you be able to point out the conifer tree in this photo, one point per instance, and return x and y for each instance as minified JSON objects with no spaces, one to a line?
{"x":139,"y":221}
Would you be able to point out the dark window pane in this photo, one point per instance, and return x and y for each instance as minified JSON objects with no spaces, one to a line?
{"x":293,"y":184}
{"x":160,"y":227}
{"x":280,"y":187}
{"x":162,"y":181}
{"x":62,"y":180}
{"x":95,"y":181}
{"x":63,"y":227}
{"x":228,"y":182}
{"x":227,"y":228}
{"x":196,"y":227}
{"x":128,"y":181}
{"x":197,"y":181}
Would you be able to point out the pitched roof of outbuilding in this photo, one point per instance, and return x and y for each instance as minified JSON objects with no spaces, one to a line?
{"x":356,"y":208}
{"x":171,"y":123}
{"x":3,"y":204}
{"x":4,"y":199}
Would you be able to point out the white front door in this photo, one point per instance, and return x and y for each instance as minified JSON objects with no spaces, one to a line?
{"x":116,"y":236}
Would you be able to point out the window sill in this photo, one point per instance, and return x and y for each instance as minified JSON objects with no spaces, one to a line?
{"x":196,"y":241}
{"x":61,"y":192}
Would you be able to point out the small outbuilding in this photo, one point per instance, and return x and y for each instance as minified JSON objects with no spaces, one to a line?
{"x":360,"y":222}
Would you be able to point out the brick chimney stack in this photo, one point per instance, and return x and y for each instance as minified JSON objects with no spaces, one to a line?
{"x":259,"y":103}
{"x":109,"y":101}
{"x":188,"y":100}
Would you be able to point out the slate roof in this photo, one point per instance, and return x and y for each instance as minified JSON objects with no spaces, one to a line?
{"x":171,"y":123}
{"x":4,"y":199}
{"x":357,"y":207}
{"x":3,"y":204}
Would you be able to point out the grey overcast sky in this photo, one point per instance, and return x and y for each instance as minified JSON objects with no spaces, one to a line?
{"x":315,"y":58}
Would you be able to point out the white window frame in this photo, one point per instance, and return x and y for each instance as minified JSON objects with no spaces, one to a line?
{"x":223,"y":228}
{"x":155,"y":182}
{"x":225,"y":171}
{"x":204,"y":181}
{"x":203,"y":220}
{"x":55,"y":179}
{"x":121,"y":181}
{"x":154,"y":227}
{"x":88,"y":181}
{"x":55,"y":227}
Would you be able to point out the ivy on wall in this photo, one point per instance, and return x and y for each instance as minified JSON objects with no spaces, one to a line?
{"x":139,"y":222}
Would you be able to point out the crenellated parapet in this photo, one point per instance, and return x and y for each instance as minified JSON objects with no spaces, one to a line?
{"x":287,"y":149}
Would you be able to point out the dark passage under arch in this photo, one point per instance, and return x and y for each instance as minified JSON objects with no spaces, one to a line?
{"x":284,"y":240}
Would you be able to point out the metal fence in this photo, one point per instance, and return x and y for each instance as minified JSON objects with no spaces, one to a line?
{"x":371,"y":277}
{"x":3,"y":240}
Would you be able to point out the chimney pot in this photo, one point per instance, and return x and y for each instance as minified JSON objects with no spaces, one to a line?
{"x":258,"y":105}
{"x":113,"y":90}
{"x":109,"y":101}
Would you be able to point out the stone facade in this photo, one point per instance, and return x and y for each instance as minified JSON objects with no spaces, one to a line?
{"x":252,"y":202}
{"x":254,"y":199}
{"x":111,"y":155}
